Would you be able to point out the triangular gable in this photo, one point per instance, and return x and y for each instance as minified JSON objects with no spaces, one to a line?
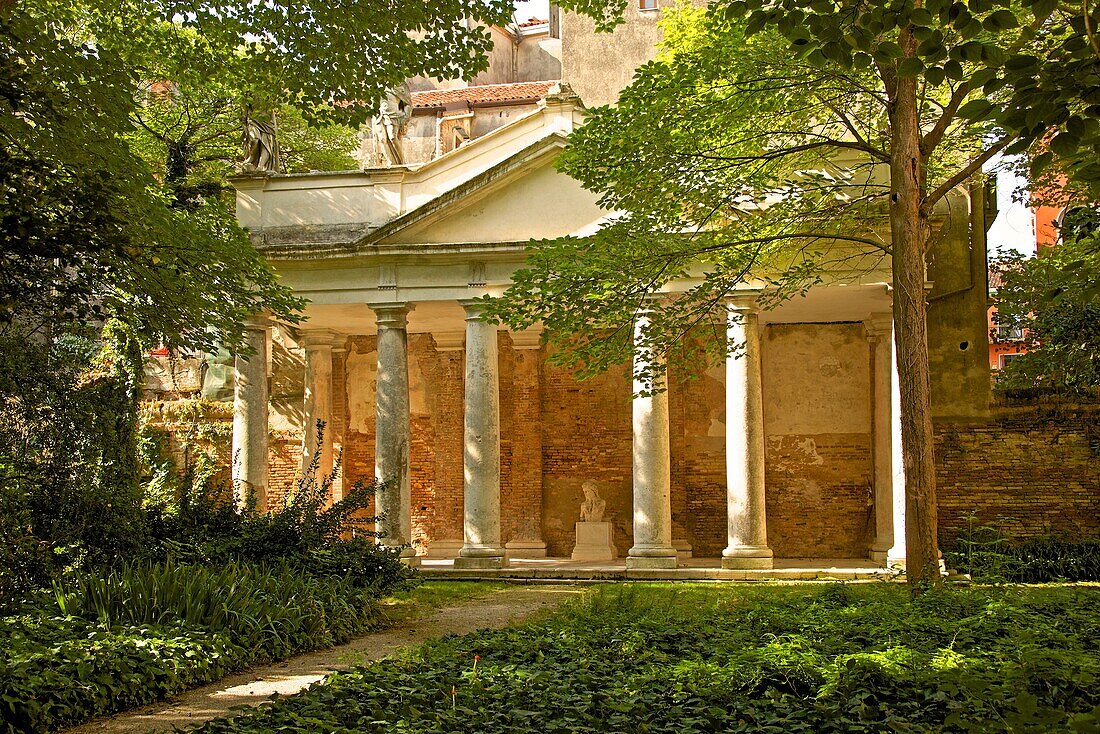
{"x":521,"y":198}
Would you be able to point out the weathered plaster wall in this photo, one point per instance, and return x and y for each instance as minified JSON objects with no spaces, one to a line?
{"x":958,"y":337}
{"x":533,"y":58}
{"x":600,"y":65}
{"x":697,"y":414}
{"x":817,"y":415}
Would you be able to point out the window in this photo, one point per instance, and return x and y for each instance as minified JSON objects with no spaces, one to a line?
{"x":647,"y":4}
{"x":1009,"y":334}
{"x":1006,"y":358}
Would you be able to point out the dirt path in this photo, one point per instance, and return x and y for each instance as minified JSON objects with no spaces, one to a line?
{"x":252,"y":687}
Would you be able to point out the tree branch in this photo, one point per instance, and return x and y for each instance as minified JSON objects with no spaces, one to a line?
{"x":964,"y":173}
{"x":933,"y":137}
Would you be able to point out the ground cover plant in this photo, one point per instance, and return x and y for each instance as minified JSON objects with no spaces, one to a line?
{"x":214,"y":589}
{"x":856,"y":658}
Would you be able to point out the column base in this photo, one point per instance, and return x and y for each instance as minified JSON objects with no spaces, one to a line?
{"x":877,"y":556}
{"x":683,"y":549}
{"x":479,"y":562}
{"x":651,"y":557}
{"x":525,"y":549}
{"x":409,"y":557}
{"x":443,"y":549}
{"x":633,"y":562}
{"x":747,"y":557}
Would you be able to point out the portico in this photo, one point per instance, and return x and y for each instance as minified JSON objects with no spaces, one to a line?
{"x":787,"y":451}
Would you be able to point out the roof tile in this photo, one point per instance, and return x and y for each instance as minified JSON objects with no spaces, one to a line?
{"x":484,"y":94}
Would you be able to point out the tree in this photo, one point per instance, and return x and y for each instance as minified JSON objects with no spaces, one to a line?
{"x":773,"y":139}
{"x":1054,"y":301}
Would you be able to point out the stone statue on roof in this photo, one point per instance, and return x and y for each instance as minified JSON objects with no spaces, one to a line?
{"x":261,"y":146}
{"x":389,"y":124}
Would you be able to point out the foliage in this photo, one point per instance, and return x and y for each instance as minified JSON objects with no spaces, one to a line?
{"x":1054,"y":94}
{"x":146,"y":631}
{"x":87,"y":230}
{"x":990,"y":556}
{"x":753,"y":149}
{"x":1054,"y":300}
{"x":750,"y":659}
{"x":56,"y":671}
{"x":68,"y":453}
{"x":207,"y":524}
{"x":274,"y":611}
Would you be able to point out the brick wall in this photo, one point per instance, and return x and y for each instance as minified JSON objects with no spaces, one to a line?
{"x":1031,"y":470}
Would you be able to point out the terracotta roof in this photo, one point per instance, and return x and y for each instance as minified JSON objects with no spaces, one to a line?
{"x":532,"y":21}
{"x":484,"y":94}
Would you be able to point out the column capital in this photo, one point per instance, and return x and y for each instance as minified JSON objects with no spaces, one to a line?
{"x":527,"y":339}
{"x":879,"y":324}
{"x":744,"y":302}
{"x":317,"y":338}
{"x":391,"y":314}
{"x":474,"y":307}
{"x":257,"y":322}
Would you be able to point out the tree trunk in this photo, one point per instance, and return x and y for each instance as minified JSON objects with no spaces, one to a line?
{"x":909,"y":231}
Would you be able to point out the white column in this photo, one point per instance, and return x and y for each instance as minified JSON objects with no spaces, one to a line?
{"x":481,"y":547}
{"x":878,"y":328}
{"x":896,"y":555}
{"x":652,"y":483}
{"x":250,"y":411}
{"x":339,"y":357}
{"x":746,"y":521}
{"x":391,"y":436}
{"x":317,"y":402}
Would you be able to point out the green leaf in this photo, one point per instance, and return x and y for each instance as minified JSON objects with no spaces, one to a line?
{"x":1065,"y":144}
{"x":910,"y":66}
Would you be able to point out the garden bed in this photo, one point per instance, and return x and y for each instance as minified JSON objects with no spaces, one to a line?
{"x":753,"y":659}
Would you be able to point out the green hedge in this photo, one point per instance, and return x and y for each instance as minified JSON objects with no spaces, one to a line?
{"x":147,"y":631}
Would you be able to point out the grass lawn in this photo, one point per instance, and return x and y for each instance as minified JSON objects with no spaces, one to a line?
{"x":717,"y":658}
{"x":422,"y":599}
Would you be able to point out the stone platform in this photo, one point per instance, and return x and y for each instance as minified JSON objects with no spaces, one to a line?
{"x":692,"y":569}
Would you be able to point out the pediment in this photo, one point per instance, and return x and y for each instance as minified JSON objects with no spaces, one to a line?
{"x":521,"y":198}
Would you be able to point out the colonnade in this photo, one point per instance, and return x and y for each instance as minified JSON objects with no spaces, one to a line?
{"x":747,"y":543}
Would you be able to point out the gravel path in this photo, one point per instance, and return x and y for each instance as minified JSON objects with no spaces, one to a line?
{"x":252,"y":687}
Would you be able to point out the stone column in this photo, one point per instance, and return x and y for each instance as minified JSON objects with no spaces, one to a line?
{"x":652,"y":482}
{"x":317,"y":402}
{"x":250,"y":411}
{"x":527,"y":542}
{"x":896,"y":555}
{"x":880,"y":338}
{"x":481,"y":547}
{"x":339,"y":409}
{"x":746,"y":521}
{"x":391,"y":435}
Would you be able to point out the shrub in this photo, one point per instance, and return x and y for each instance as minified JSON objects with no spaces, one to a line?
{"x":988,"y":555}
{"x":56,"y":671}
{"x":273,"y":611}
{"x":145,"y":631}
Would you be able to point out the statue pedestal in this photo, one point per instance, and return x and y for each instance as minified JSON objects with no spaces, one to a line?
{"x":594,"y":542}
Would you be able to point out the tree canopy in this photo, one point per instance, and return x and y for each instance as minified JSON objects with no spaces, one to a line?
{"x":781,"y":143}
